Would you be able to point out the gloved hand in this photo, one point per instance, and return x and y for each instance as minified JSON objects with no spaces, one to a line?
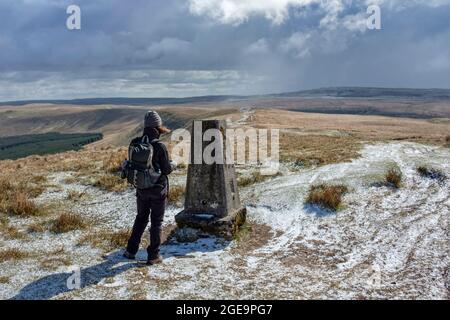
{"x":173,"y":164}
{"x":123,"y":173}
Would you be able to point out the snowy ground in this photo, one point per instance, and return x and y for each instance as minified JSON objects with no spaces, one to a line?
{"x":383,"y":244}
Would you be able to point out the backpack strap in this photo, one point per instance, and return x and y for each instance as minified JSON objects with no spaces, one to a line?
{"x":145,"y":139}
{"x":154,"y":141}
{"x":150,"y":159}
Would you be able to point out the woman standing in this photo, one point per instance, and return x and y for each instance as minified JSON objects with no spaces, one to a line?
{"x":151,"y":202}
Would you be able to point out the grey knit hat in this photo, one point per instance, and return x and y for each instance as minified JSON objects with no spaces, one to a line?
{"x":152,"y":120}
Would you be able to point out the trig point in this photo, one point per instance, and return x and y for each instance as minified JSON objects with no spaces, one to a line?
{"x":212,"y":199}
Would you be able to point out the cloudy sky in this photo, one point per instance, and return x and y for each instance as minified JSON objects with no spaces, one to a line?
{"x":160,"y":48}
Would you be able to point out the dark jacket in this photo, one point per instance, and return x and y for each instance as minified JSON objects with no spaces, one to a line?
{"x":160,"y":160}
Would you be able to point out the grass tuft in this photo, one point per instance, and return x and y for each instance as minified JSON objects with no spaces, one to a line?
{"x":20,"y":205}
{"x":68,"y":222}
{"x":119,"y":238}
{"x":393,"y":178}
{"x":107,"y":240}
{"x":13,"y":233}
{"x":75,"y":195}
{"x":70,"y":180}
{"x":113,"y":163}
{"x":254,"y":178}
{"x":327,"y":196}
{"x":37,"y":227}
{"x":110,"y":183}
{"x":431,"y":173}
{"x":176,"y":193}
{"x":12,"y":254}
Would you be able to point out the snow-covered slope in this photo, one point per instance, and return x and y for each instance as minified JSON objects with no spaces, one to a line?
{"x":385,"y":243}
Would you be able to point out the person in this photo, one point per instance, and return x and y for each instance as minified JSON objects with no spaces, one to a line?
{"x":151,"y":202}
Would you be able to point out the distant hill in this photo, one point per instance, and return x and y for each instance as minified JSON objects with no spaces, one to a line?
{"x":126,"y":101}
{"x":338,"y":92}
{"x":363,"y":92}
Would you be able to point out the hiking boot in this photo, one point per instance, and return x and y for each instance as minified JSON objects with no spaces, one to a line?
{"x":154,"y":260}
{"x":128,"y":255}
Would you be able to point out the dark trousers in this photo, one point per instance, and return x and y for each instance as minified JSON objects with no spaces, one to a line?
{"x":150,"y":204}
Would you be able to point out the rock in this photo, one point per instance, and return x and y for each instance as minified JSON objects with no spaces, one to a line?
{"x":186,"y":235}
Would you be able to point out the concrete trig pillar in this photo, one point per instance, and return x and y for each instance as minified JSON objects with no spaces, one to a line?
{"x":212,"y":201}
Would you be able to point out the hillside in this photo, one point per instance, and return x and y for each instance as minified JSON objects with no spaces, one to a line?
{"x":384,"y":242}
{"x":41,"y":144}
{"x":378,"y":93}
{"x":121,"y":118}
{"x":117,"y":123}
{"x":338,"y":92}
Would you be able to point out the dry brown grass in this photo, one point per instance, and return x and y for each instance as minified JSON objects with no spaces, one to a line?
{"x":310,"y":150}
{"x":327,"y":196}
{"x":358,"y":127}
{"x":176,"y":194}
{"x":55,"y":262}
{"x":11,"y":182}
{"x":110,"y":183}
{"x":113,"y":163}
{"x":5,"y":187}
{"x":12,"y":254}
{"x":8,"y":231}
{"x":39,"y":180}
{"x":20,"y":205}
{"x":70,"y":180}
{"x":120,"y":238}
{"x":24,"y":179}
{"x":319,"y":139}
{"x":37,"y":227}
{"x":11,"y":232}
{"x":4,"y":280}
{"x":393,"y":178}
{"x":17,"y":189}
{"x":75,"y":196}
{"x":55,"y":259}
{"x":106,"y":240}
{"x":253,"y":178}
{"x":68,"y":222}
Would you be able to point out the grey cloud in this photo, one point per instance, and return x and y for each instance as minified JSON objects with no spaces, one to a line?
{"x":164,"y":48}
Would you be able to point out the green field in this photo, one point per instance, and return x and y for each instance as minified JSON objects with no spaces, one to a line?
{"x":15,"y":147}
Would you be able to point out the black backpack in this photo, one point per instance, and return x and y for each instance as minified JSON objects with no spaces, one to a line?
{"x":139,"y":170}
